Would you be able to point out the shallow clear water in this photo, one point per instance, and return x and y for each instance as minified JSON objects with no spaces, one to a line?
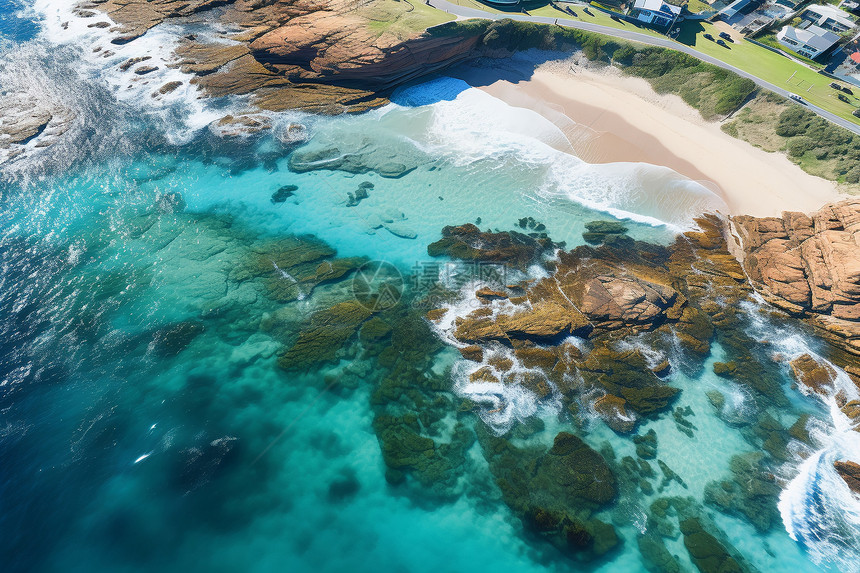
{"x":145,"y":423}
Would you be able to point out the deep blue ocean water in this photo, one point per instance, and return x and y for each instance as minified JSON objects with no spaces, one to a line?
{"x":144,"y":421}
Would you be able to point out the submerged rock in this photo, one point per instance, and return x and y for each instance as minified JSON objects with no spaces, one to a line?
{"x":604,"y":232}
{"x":709,"y":555}
{"x":752,"y":492}
{"x":326,"y":333}
{"x":171,"y":340}
{"x":284,"y":193}
{"x":555,"y":492}
{"x":467,"y":242}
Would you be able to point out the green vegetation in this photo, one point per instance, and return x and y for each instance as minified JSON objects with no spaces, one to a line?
{"x":713,"y":91}
{"x":819,"y":147}
{"x":697,"y":6}
{"x":402,"y":18}
{"x":769,"y":66}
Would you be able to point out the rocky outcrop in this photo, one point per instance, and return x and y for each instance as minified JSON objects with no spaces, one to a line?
{"x":26,"y":118}
{"x":628,"y":298}
{"x":318,"y":55}
{"x":815,"y":375}
{"x":809,"y":266}
{"x":468,"y":243}
{"x":850,"y":472}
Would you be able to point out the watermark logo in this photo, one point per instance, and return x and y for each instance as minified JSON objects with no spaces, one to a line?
{"x":377,"y":285}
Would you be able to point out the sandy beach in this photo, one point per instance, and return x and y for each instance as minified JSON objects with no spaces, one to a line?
{"x":610,"y":117}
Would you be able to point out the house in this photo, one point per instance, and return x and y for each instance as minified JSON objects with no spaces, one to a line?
{"x":828,"y":17}
{"x":735,"y":8}
{"x":656,"y":12}
{"x":811,"y":42}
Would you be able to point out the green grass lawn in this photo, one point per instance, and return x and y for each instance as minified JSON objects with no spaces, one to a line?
{"x":696,"y":6}
{"x":597,"y":17}
{"x":403,"y":18}
{"x":770,"y":67}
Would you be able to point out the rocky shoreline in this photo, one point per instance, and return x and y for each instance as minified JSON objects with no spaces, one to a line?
{"x":809,"y":266}
{"x":321,"y":57}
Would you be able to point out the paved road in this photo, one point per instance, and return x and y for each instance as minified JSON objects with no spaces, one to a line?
{"x":637,"y":37}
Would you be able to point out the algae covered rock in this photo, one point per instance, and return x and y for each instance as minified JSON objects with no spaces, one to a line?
{"x":604,"y":231}
{"x":709,"y":555}
{"x":554,"y":492}
{"x":752,"y":492}
{"x":326,"y":332}
{"x":467,"y":242}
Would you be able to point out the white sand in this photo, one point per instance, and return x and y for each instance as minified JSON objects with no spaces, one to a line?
{"x":610,"y":117}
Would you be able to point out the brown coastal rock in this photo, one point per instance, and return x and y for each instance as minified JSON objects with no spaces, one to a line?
{"x":809,"y":265}
{"x":815,"y":375}
{"x":850,"y":472}
{"x":326,"y":56}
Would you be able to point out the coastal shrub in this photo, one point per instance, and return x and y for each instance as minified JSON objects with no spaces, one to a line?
{"x":735,"y":90}
{"x":624,"y":54}
{"x":793,"y":121}
{"x":712,"y":90}
{"x":509,"y":35}
{"x":798,"y":147}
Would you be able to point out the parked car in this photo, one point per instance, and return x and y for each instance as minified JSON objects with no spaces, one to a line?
{"x":835,"y":86}
{"x":709,"y":37}
{"x":726,"y":36}
{"x":721,"y":43}
{"x":848,"y":91}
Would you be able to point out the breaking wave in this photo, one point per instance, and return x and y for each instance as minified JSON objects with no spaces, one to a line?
{"x":818,"y":509}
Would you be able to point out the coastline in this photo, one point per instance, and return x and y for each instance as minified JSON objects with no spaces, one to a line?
{"x":609,"y":117}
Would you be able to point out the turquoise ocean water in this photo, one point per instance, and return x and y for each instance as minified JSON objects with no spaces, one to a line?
{"x":144,"y":421}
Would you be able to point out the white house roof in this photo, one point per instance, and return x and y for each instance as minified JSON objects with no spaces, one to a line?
{"x":832,"y":13}
{"x":657,"y":6}
{"x":813,"y":36}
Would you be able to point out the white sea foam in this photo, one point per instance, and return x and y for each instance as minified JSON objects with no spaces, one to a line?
{"x":817,"y":507}
{"x":504,"y":401}
{"x":101,"y":60}
{"x":477,"y":127}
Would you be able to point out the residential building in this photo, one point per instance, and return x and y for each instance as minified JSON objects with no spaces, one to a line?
{"x":737,"y":7}
{"x":828,"y":17}
{"x":656,"y":12}
{"x":811,"y":42}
